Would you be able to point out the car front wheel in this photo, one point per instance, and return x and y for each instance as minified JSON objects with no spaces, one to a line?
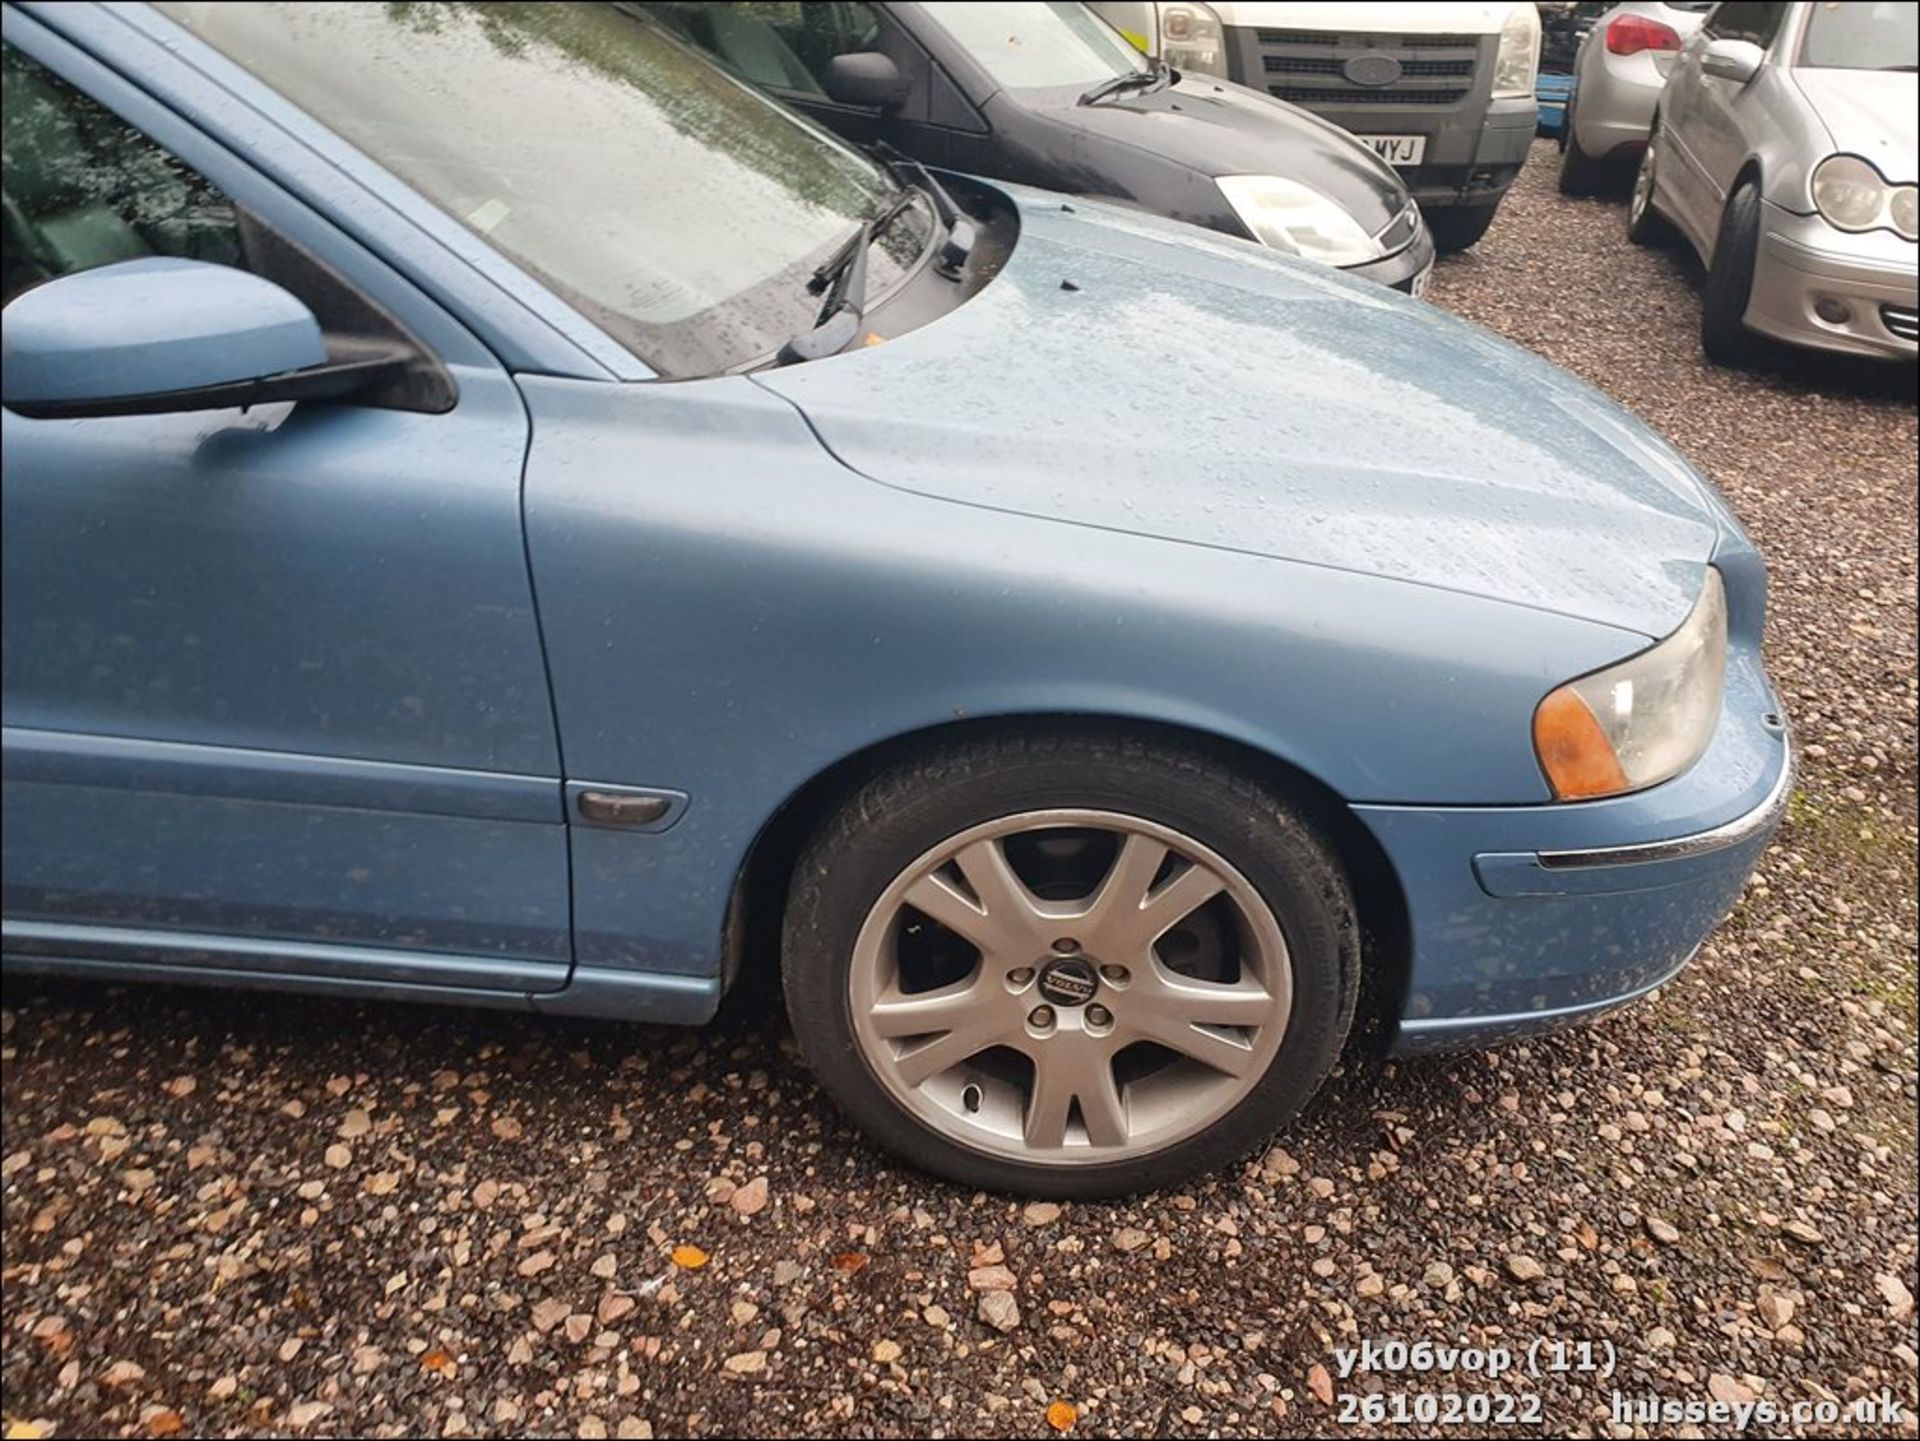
{"x":1069,"y":966}
{"x":1723,"y":300}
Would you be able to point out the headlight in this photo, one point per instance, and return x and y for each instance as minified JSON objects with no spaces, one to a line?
{"x":1516,"y":67}
{"x":1901,"y":211}
{"x":1644,"y":720}
{"x":1851,"y":195}
{"x":1301,"y":221}
{"x":1191,"y":38}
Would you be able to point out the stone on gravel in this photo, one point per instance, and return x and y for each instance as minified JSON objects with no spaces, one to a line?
{"x":538,"y":1262}
{"x":1895,"y":1293}
{"x":999,"y":1310}
{"x":1725,"y":1389}
{"x":1320,"y":1383}
{"x":1524,"y":1268}
{"x":303,"y":1414}
{"x":1775,"y":1308}
{"x":750,"y":1199}
{"x":991,"y":1278}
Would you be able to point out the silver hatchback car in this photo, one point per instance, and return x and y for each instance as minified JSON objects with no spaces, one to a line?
{"x":1618,"y":74}
{"x":1784,"y":152}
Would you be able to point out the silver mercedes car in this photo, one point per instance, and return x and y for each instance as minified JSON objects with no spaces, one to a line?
{"x":1783,"y":151}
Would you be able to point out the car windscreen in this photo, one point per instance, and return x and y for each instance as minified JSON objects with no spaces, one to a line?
{"x":1028,"y":46}
{"x":1862,"y":35}
{"x":676,"y":207}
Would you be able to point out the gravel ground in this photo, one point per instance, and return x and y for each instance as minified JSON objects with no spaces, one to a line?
{"x":238,"y":1214}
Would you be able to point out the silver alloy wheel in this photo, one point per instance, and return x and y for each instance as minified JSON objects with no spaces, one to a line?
{"x":1071,"y":1040}
{"x":1642,"y":185}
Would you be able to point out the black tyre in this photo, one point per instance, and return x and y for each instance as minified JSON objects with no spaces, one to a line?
{"x":1645,"y":224}
{"x":1580,"y":173}
{"x":1456,"y":227}
{"x":1070,"y":965}
{"x":1723,"y":300}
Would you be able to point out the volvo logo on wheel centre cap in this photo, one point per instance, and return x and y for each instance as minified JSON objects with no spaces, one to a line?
{"x":1372,"y":69}
{"x":1069,"y":981}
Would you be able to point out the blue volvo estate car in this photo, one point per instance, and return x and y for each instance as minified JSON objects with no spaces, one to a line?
{"x":498,"y":511}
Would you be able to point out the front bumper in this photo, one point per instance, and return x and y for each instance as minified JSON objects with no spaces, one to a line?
{"x":1865,"y":283}
{"x":1525,"y":919}
{"x":1471,"y":158}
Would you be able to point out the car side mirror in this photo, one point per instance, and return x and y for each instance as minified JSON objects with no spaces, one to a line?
{"x":866,"y":78}
{"x":158,"y":335}
{"x":1735,"y":60}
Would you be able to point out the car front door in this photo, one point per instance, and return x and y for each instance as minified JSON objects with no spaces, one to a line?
{"x":1715,"y":132}
{"x":275,"y":702}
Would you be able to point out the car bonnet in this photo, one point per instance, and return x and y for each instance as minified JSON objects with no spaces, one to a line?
{"x":1870,"y":113}
{"x":1136,"y":374}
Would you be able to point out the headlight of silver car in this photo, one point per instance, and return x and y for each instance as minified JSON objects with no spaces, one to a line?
{"x":1298,"y":219}
{"x":1192,"y":38}
{"x":1644,"y":720}
{"x":1902,"y":211}
{"x":1517,"y":65}
{"x":1852,"y":195}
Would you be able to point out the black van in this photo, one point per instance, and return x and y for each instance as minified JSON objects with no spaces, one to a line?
{"x":1050,"y":95}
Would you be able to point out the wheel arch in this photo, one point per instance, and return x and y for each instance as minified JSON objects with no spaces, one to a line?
{"x":758,"y":898}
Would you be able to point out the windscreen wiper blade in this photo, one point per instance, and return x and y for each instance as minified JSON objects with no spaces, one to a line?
{"x":844,"y":278}
{"x":961,"y":232}
{"x":1114,"y":84}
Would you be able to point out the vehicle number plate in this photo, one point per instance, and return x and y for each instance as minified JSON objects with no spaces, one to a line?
{"x":1397,"y":149}
{"x":1419,"y":287}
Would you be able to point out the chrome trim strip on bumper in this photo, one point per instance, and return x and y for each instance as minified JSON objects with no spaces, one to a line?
{"x":1740,"y":828}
